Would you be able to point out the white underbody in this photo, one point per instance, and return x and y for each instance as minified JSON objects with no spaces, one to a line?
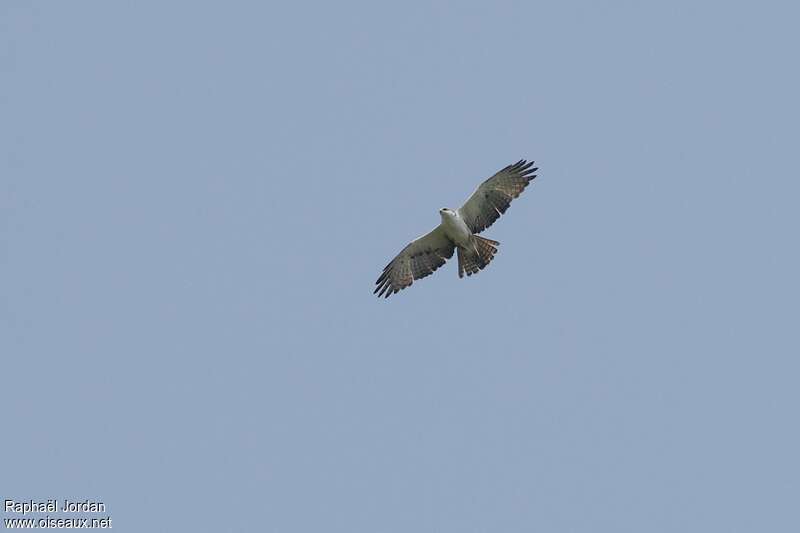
{"x":455,"y":228}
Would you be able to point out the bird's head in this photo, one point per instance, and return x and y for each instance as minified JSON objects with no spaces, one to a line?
{"x":445,"y":212}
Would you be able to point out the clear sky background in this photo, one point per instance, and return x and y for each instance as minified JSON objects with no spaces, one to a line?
{"x":196,"y":199}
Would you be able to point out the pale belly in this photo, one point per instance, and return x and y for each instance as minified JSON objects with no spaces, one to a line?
{"x":456,"y":229}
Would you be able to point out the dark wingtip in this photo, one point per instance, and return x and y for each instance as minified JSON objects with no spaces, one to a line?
{"x":380,"y":290}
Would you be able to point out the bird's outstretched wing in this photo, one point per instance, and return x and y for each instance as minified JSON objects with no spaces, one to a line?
{"x":417,"y":260}
{"x":493,"y":196}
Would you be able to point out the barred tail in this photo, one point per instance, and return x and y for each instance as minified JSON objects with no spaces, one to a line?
{"x":474,"y":258}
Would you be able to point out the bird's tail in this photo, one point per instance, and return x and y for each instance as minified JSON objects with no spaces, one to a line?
{"x":476,"y":255}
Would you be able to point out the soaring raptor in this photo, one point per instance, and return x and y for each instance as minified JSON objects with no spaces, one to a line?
{"x":458,"y":231}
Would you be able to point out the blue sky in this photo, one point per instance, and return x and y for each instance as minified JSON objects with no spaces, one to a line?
{"x":196,"y":199}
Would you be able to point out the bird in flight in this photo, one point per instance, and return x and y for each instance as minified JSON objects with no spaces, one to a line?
{"x":457,"y":231}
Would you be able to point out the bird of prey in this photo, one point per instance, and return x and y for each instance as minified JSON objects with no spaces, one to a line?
{"x":457,"y":231}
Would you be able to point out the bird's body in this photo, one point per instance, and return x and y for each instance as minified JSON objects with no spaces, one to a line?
{"x":458,"y":231}
{"x":454,"y":227}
